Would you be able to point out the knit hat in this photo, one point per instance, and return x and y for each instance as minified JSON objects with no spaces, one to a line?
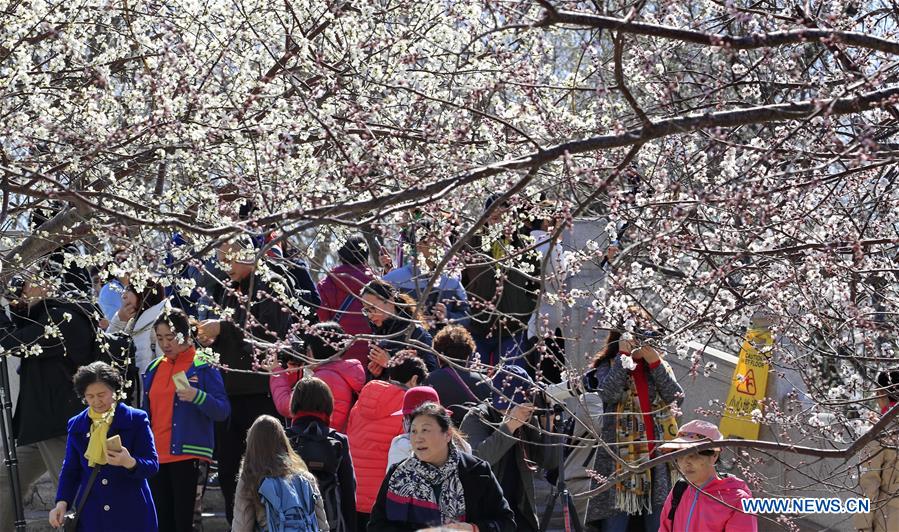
{"x":511,"y":384}
{"x":416,"y":397}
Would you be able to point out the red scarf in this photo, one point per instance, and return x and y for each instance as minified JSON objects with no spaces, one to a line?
{"x":640,"y":374}
{"x":325,"y":418}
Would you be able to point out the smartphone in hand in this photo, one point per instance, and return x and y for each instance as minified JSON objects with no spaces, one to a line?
{"x":114,"y":443}
{"x":180,"y":380}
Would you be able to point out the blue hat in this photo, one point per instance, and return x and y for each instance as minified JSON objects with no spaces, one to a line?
{"x":511,"y":385}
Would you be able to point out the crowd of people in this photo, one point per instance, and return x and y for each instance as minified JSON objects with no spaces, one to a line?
{"x":387,"y":406}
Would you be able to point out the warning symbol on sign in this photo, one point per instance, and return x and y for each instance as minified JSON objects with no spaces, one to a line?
{"x":748,"y":385}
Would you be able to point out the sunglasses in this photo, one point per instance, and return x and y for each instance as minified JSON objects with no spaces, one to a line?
{"x":707,"y":452}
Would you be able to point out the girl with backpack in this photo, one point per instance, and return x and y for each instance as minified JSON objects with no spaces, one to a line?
{"x":275,"y":490}
{"x":325,"y":451}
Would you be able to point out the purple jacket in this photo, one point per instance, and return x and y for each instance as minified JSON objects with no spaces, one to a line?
{"x":342,"y":282}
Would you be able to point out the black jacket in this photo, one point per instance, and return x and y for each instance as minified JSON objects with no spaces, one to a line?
{"x":270,"y":323}
{"x":485,"y":505}
{"x":395,"y":331}
{"x":459,"y":390}
{"x":501,"y":301}
{"x":490,"y":440}
{"x":46,"y":397}
{"x":345,"y":474}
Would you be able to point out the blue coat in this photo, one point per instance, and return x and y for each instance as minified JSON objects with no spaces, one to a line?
{"x":193,"y":428}
{"x":119,"y":500}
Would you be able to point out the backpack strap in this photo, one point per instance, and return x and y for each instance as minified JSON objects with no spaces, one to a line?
{"x":343,"y":307}
{"x":676,"y":494}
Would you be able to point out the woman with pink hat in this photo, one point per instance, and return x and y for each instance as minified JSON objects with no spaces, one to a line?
{"x":704,"y":501}
{"x":401,"y":446}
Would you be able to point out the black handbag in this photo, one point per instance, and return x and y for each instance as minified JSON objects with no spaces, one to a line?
{"x":71,"y":522}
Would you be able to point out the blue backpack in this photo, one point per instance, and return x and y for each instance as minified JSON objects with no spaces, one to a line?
{"x":289,"y":504}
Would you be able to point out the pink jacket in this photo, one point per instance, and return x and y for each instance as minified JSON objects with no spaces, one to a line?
{"x":341,"y":282}
{"x":702,"y":512}
{"x":281,"y":385}
{"x":345,"y":378}
{"x":371,"y":429}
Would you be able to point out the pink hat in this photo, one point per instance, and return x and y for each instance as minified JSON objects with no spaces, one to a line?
{"x":692,"y":434}
{"x":416,"y":397}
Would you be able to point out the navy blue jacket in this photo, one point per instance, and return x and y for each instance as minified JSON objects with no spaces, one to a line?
{"x":119,"y":500}
{"x":193,"y":429}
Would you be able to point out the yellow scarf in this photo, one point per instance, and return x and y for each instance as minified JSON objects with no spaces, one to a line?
{"x":498,"y":249}
{"x":96,"y":447}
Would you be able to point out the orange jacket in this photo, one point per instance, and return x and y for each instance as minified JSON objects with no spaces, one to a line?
{"x":370,"y":431}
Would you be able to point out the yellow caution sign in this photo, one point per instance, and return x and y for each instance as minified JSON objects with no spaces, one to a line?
{"x":748,"y":386}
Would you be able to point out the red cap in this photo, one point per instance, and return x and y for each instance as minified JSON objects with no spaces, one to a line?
{"x":416,"y":397}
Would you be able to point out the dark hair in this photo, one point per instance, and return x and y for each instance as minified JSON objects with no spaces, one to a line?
{"x":888,"y":382}
{"x":610,"y":349}
{"x":405,"y":305}
{"x":491,"y":199}
{"x":436,"y":411}
{"x":403,"y":367}
{"x":312,"y":394}
{"x":354,"y":251}
{"x":644,"y":322}
{"x":326,"y":339}
{"x":176,"y":320}
{"x":380,"y":288}
{"x":441,"y":415}
{"x":152,"y":295}
{"x":455,"y":343}
{"x":97,"y":372}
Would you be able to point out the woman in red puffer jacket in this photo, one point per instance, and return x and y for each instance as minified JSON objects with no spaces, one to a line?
{"x":325,"y":343}
{"x":373,"y":426}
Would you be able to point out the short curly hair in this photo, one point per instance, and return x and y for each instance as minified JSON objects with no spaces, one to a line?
{"x":97,"y":372}
{"x":455,"y":343}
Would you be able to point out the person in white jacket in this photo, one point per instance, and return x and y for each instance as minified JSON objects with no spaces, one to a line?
{"x":136,"y":316}
{"x":546,"y":321}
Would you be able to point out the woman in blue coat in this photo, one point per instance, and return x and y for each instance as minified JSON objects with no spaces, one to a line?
{"x":119,"y":498}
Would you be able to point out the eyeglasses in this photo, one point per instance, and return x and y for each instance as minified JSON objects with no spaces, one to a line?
{"x":707,"y":452}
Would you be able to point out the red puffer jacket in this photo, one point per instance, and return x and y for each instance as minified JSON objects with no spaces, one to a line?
{"x":370,"y":430}
{"x":345,"y":378}
{"x":342,"y":282}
